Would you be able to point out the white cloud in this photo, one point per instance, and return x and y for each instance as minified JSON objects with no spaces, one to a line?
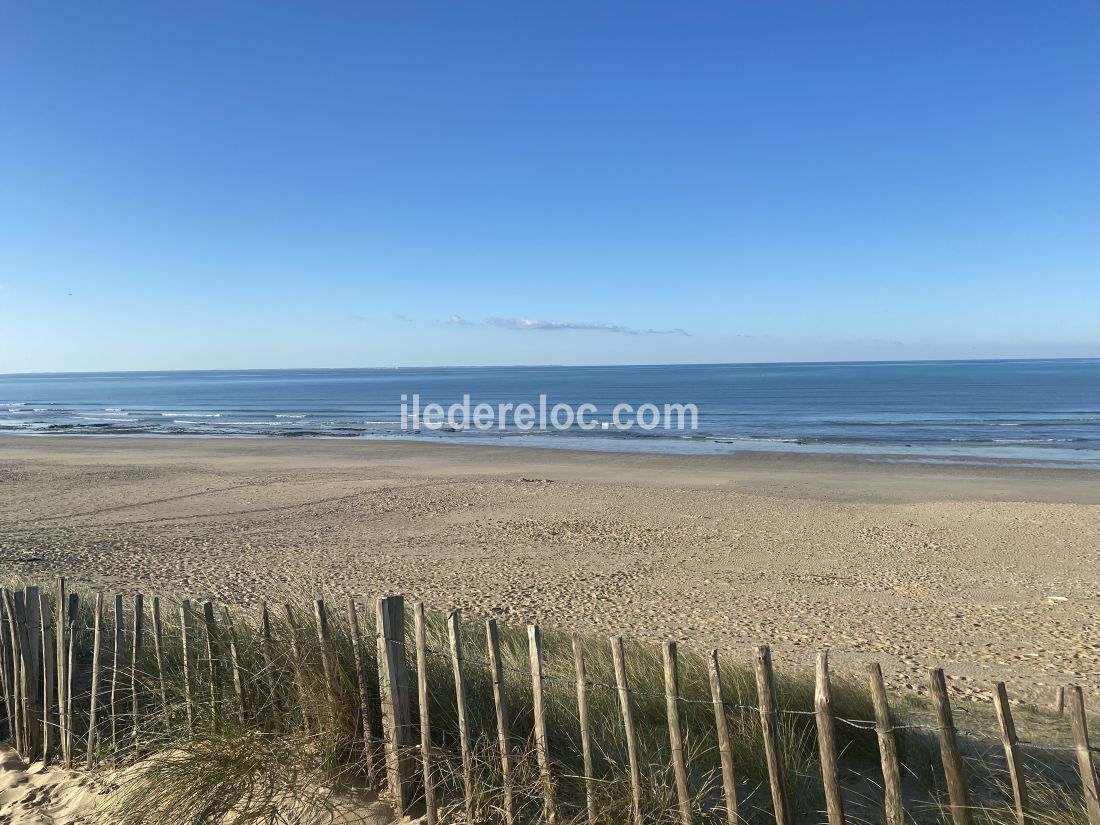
{"x":531,"y":324}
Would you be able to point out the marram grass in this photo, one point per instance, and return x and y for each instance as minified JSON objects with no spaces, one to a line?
{"x":294,"y":750}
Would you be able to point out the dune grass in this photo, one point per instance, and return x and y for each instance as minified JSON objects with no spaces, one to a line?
{"x":295,"y":750}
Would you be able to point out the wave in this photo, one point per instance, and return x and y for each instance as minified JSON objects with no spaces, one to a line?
{"x":905,"y":423}
{"x":100,"y":426}
{"x":1045,"y":440}
{"x":735,"y":439}
{"x":254,"y":423}
{"x":1035,"y":440}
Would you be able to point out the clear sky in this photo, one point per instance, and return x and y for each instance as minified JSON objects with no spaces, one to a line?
{"x":280,"y":184}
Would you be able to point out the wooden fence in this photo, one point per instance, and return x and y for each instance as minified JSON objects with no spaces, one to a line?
{"x":66,"y":706}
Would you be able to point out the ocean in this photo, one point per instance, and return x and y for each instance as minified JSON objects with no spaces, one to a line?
{"x":1035,"y":413}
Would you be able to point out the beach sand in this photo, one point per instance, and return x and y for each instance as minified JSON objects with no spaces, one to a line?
{"x":45,"y":796}
{"x":35,"y":794}
{"x":992,"y":573}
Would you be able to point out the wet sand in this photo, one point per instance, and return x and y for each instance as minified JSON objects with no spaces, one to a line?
{"x":993,"y":573}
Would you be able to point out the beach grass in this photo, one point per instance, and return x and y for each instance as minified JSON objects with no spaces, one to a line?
{"x":295,"y":751}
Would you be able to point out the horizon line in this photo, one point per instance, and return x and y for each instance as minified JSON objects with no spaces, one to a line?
{"x":562,"y":366}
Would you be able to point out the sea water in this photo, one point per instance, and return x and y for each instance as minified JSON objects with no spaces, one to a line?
{"x":1036,"y":412}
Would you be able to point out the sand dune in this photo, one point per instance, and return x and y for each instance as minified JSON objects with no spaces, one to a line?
{"x":33,"y":795}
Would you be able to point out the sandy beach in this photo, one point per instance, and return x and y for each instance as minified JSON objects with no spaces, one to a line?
{"x":993,"y":573}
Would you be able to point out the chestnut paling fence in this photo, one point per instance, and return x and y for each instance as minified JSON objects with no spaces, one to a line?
{"x":457,"y":722}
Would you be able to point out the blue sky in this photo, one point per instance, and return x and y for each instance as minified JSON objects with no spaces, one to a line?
{"x":226,"y":184}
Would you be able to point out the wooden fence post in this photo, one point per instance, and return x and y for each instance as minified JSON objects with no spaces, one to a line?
{"x":542,"y":739}
{"x":19,"y":617}
{"x":887,"y":748}
{"x":626,"y":707}
{"x":957,"y":790}
{"x":13,"y":694}
{"x":826,"y":740}
{"x":19,"y":621}
{"x":265,"y":642}
{"x":97,"y":644}
{"x":268,"y":680}
{"x":675,"y":734}
{"x":212,"y":668}
{"x":17,"y":611}
{"x":425,"y":713}
{"x":6,"y":662}
{"x":324,"y":641}
{"x":1060,"y":700}
{"x":454,"y":634}
{"x":725,"y":750}
{"x":586,"y":730}
{"x":16,"y":637}
{"x":365,"y":715}
{"x":234,"y":663}
{"x":72,"y":622}
{"x":137,"y":651}
{"x":61,"y":666}
{"x":1012,"y":753}
{"x":71,"y":668}
{"x":49,"y":679}
{"x":394,"y":679}
{"x":188,"y":662}
{"x":769,"y":725}
{"x":1084,"y":756}
{"x":500,"y":705}
{"x":116,"y":667}
{"x":14,"y":634}
{"x":158,"y":651}
{"x":32,"y":671}
{"x":296,"y":663}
